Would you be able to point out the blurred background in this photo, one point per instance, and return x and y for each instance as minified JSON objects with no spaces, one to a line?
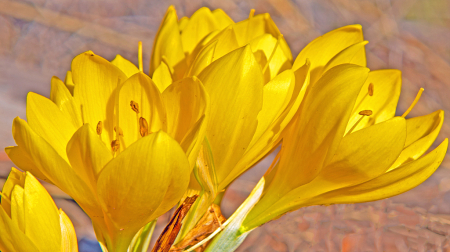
{"x":39,"y":38}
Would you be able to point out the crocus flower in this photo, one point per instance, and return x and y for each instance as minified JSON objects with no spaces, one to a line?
{"x":119,"y":147}
{"x":30,"y":220}
{"x":347,"y":146}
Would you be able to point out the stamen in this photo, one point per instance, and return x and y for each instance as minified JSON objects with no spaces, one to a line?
{"x":140,"y":56}
{"x":273,"y":53}
{"x":419,"y":94}
{"x":134,"y":106}
{"x":362,"y":113}
{"x":115,"y":145}
{"x":120,"y":131}
{"x":99,"y":128}
{"x":371,"y":89}
{"x":365,"y":112}
{"x":143,"y":127}
{"x":252,"y":13}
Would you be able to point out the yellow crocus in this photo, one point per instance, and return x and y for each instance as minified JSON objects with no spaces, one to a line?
{"x":30,"y":220}
{"x":121,"y":148}
{"x":347,"y":146}
{"x":185,"y":47}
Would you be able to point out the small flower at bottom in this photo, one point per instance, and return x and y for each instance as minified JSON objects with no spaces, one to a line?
{"x":30,"y":220}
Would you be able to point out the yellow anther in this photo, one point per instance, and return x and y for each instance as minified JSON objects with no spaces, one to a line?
{"x":134,"y":106}
{"x":115,"y":145}
{"x":99,"y":128}
{"x":419,"y":94}
{"x":120,"y":131}
{"x":371,"y":89}
{"x":365,"y":112}
{"x":143,"y":127}
{"x":140,"y":56}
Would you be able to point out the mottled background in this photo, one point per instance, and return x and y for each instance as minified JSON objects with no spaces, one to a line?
{"x":39,"y":38}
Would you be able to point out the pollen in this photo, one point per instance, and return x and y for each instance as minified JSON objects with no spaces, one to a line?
{"x":134,"y":106}
{"x":115,"y":145}
{"x":120,"y":131}
{"x":143,"y":127}
{"x":371,"y":89}
{"x":366,"y":112}
{"x":99,"y":128}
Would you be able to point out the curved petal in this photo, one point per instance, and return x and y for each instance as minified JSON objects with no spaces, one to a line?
{"x":11,"y":237}
{"x":354,"y":54}
{"x":96,"y":80}
{"x":61,"y":96}
{"x":22,"y":159}
{"x":222,"y":19}
{"x":40,"y":211}
{"x":54,"y":167}
{"x":168,"y":44}
{"x":391,"y":183}
{"x":420,"y":135}
{"x":201,"y":23}
{"x":386,"y":86}
{"x":134,"y":184}
{"x":266,"y":48}
{"x":365,"y":154}
{"x":88,"y":154}
{"x":162,"y":77}
{"x":186,"y":102}
{"x":317,"y":132}
{"x":68,"y":81}
{"x":126,"y":66}
{"x":55,"y":129}
{"x":234,"y":84}
{"x":324,"y":48}
{"x":140,"y":89}
{"x":68,"y":236}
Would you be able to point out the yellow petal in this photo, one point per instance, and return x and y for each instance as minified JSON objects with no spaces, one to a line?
{"x":182,"y":23}
{"x":254,"y":27}
{"x":11,"y":237}
{"x":69,"y":242}
{"x":126,"y":66}
{"x":271,"y":137}
{"x":55,"y":129}
{"x":39,"y":212}
{"x":154,"y":168}
{"x":168,"y":44}
{"x":386,"y":91}
{"x":212,"y":48}
{"x":354,"y":54}
{"x":186,"y":102}
{"x":234,"y":82}
{"x":392,"y":183}
{"x":317,"y":132}
{"x":54,"y":167}
{"x":201,"y":23}
{"x":140,"y":88}
{"x":15,"y":177}
{"x":267,"y":48}
{"x":324,"y":48}
{"x":22,"y":159}
{"x":421,"y":133}
{"x":365,"y":154}
{"x":17,"y":207}
{"x":95,"y":81}
{"x":222,"y":19}
{"x":162,"y":77}
{"x":68,"y":81}
{"x":61,"y":96}
{"x":88,"y":154}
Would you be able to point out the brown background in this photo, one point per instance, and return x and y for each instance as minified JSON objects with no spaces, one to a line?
{"x":38,"y":39}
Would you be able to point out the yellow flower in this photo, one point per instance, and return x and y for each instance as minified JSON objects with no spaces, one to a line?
{"x":121,"y":148}
{"x":347,"y":146}
{"x":30,"y":220}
